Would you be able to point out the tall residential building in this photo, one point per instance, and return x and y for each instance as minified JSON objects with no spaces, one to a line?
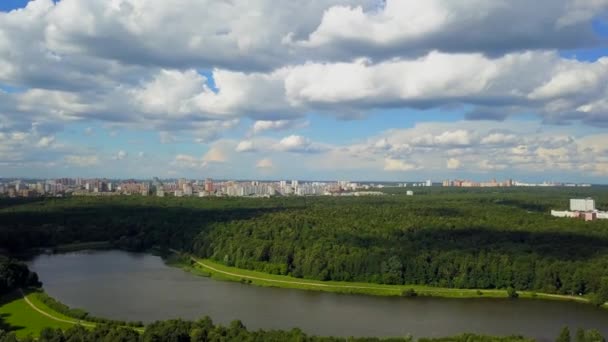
{"x":209,"y":185}
{"x":187,"y":190}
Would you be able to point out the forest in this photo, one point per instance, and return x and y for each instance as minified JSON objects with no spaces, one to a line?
{"x":461,"y":238}
{"x":14,"y":275}
{"x":204,"y":330}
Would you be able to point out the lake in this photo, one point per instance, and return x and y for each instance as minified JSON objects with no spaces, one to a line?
{"x":133,"y":286}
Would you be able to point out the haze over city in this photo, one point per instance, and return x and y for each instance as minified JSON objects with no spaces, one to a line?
{"x":325,"y":90}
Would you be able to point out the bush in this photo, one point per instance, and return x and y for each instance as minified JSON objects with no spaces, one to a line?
{"x":512,"y":293}
{"x":409,"y":293}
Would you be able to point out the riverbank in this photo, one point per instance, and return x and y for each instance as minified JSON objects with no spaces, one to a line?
{"x":26,"y":313}
{"x":223,"y":272}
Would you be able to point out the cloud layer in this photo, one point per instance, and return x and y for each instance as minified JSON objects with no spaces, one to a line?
{"x":272,"y":65}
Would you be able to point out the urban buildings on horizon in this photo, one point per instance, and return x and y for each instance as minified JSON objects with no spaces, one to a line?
{"x":183,"y":187}
{"x":460,"y":183}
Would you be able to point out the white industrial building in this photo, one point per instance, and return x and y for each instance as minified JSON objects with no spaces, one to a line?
{"x":582,"y":209}
{"x":586,"y":204}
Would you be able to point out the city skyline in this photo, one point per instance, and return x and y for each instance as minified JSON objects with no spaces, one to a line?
{"x":364,"y":90}
{"x":183,"y":187}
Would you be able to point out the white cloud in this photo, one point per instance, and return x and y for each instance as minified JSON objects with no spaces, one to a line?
{"x":245,"y":146}
{"x":46,"y":141}
{"x":82,"y":161}
{"x":215,"y":155}
{"x":265,"y":163}
{"x":278,"y":125}
{"x":410,"y":26}
{"x":294,"y":142}
{"x":116,"y":64}
{"x":170,"y":93}
{"x":453,"y":163}
{"x":398,"y":165}
{"x":76,"y":63}
{"x":298,"y":144}
{"x":121,"y":155}
{"x":499,"y":139}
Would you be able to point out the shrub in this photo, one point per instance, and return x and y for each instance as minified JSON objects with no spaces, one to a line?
{"x":409,"y":293}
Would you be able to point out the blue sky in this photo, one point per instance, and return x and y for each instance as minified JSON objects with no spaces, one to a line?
{"x":325,"y":90}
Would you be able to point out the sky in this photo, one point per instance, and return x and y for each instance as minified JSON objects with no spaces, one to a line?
{"x":394,"y":90}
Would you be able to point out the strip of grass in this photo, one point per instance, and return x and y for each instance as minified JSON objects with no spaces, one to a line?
{"x":74,"y":247}
{"x":19,"y":317}
{"x":223,"y":272}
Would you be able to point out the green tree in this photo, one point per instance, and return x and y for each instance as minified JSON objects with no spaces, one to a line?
{"x":564,"y":335}
{"x":601,"y":296}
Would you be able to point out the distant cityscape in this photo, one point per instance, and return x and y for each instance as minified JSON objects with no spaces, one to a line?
{"x":183,"y":188}
{"x":212,"y":188}
{"x":459,"y":183}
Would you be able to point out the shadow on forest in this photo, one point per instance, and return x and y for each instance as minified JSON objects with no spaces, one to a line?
{"x":535,"y":207}
{"x":170,"y":226}
{"x":4,"y":300}
{"x":559,"y":245}
{"x":11,"y":202}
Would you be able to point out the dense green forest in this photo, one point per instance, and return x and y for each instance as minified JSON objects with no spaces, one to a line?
{"x":463,"y":238}
{"x":14,"y":275}
{"x":204,"y":330}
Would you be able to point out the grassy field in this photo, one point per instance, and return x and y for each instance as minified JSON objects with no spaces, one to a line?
{"x":18,"y":316}
{"x":223,"y":272}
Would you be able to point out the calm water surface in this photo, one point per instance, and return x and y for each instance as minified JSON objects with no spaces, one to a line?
{"x":130,"y":286}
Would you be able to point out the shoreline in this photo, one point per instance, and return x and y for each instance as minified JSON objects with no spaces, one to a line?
{"x":218,"y":271}
{"x":29,"y":303}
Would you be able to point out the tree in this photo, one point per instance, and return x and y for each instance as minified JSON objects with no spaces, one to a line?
{"x":580,"y":335}
{"x":512,"y":293}
{"x":564,"y":335}
{"x":601,"y":296}
{"x":392,"y":271}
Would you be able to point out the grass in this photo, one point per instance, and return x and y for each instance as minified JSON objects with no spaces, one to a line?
{"x":18,"y":316}
{"x":74,"y":247}
{"x":223,"y":272}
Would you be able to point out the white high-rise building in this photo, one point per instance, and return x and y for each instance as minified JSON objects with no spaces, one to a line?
{"x":587,"y":204}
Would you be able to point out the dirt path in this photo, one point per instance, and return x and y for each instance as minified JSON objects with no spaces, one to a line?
{"x":287,"y":281}
{"x":42,"y":312}
{"x":579,"y":299}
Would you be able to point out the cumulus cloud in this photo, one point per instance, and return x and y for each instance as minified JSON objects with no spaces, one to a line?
{"x":453,"y":163}
{"x":398,"y":165}
{"x":45,"y":141}
{"x":265,"y":163}
{"x":245,"y":146}
{"x":261,"y":126}
{"x":215,"y":155}
{"x":409,"y":26}
{"x":85,"y":72}
{"x":74,"y":64}
{"x":298,"y":144}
